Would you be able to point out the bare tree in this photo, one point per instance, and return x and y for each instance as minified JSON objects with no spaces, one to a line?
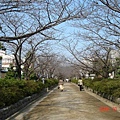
{"x":20,"y":20}
{"x":36,"y":16}
{"x":47,"y":64}
{"x":94,"y":58}
{"x":99,"y":31}
{"x":102,"y":25}
{"x":18,"y":46}
{"x":113,"y":5}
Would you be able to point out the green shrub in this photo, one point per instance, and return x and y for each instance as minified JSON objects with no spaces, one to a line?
{"x":106,"y":87}
{"x":30,"y":88}
{"x":50,"y":82}
{"x":74,"y":81}
{"x":13,"y":90}
{"x":96,"y":86}
{"x":10,"y":95}
{"x":41,"y":86}
{"x":116,"y":93}
{"x":88,"y":83}
{"x":2,"y":104}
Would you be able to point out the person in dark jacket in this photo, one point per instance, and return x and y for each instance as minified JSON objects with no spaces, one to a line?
{"x":80,"y":84}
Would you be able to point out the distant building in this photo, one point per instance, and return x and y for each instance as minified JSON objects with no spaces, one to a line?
{"x":7,"y":60}
{"x":113,"y":55}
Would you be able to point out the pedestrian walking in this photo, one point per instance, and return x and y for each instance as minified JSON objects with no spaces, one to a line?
{"x":60,"y":85}
{"x":80,"y":84}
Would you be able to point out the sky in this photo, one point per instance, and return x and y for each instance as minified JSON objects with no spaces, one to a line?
{"x":68,"y":34}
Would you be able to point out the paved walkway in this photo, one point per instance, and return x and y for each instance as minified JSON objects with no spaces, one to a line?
{"x":71,"y":104}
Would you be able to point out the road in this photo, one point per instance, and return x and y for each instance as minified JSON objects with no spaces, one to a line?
{"x":71,"y":104}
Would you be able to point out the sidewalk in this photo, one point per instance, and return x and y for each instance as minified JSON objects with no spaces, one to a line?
{"x":71,"y":104}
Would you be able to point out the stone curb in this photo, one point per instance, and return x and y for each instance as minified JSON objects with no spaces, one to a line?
{"x":21,"y":104}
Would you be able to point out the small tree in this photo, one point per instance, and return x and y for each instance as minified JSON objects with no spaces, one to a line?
{"x":11,"y":73}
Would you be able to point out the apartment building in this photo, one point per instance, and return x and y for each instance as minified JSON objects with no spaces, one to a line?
{"x":7,"y":60}
{"x":113,"y":55}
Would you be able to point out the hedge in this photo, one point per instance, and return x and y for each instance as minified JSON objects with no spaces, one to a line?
{"x":107,"y":88}
{"x":12,"y":90}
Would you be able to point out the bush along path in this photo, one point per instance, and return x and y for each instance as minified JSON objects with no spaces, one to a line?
{"x":106,"y":88}
{"x":16,"y":94}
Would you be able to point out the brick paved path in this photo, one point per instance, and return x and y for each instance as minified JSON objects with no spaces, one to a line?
{"x":71,"y":104}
